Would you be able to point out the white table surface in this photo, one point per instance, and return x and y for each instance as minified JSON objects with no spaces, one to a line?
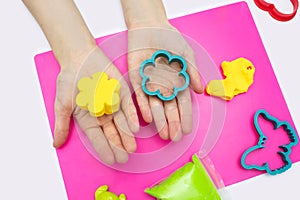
{"x":29,"y":167}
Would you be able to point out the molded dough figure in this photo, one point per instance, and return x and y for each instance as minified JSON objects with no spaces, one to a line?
{"x":99,"y":94}
{"x":239,"y":77}
{"x":103,"y":194}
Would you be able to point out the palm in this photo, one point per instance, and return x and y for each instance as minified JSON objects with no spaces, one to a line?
{"x":110,"y":135}
{"x":172,"y":118}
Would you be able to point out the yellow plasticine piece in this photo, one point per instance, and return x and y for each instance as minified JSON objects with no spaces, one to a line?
{"x":238,"y":74}
{"x":99,"y":94}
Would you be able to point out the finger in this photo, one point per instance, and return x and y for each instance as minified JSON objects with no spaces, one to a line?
{"x":115,"y":143}
{"x":62,"y":124}
{"x":193,"y":72}
{"x":185,"y":110}
{"x":129,"y":108}
{"x":90,"y":127}
{"x":100,"y":144}
{"x":141,"y":97}
{"x":160,"y":121}
{"x":142,"y":101}
{"x":126,"y":135}
{"x":135,"y":58}
{"x":172,"y":115}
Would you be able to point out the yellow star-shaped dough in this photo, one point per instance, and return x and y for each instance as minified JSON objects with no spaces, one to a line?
{"x":99,"y":94}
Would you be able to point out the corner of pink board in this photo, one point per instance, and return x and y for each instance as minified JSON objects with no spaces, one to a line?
{"x":226,"y":33}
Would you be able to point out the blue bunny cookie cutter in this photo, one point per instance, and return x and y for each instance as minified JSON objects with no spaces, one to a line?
{"x":171,"y":58}
{"x":286,"y":149}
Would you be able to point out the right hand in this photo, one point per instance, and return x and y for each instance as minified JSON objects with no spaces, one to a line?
{"x":111,"y":135}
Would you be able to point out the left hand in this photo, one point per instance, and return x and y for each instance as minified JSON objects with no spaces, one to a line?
{"x":172,"y":118}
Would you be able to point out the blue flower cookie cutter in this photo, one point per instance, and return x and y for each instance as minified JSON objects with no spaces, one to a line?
{"x":171,"y":58}
{"x":286,"y":149}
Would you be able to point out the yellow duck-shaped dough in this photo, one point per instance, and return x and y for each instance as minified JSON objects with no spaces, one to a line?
{"x":238,"y":78}
{"x":99,"y":94}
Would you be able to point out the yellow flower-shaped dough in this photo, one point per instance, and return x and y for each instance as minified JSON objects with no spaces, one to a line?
{"x":99,"y":94}
{"x":239,"y":77}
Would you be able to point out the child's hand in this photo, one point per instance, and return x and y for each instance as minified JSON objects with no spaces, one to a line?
{"x":111,"y":135}
{"x":149,"y":30}
{"x":172,"y":118}
{"x":74,"y":48}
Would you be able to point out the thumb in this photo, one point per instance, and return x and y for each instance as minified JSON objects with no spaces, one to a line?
{"x":62,"y":124}
{"x":193,"y":72}
{"x":63,"y":108}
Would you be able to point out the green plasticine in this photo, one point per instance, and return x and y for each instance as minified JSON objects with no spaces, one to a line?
{"x":189,"y":182}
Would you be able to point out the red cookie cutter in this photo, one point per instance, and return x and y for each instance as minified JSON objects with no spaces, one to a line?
{"x":276,"y":14}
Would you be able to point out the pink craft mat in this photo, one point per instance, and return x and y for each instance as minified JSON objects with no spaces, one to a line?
{"x":226,"y":33}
